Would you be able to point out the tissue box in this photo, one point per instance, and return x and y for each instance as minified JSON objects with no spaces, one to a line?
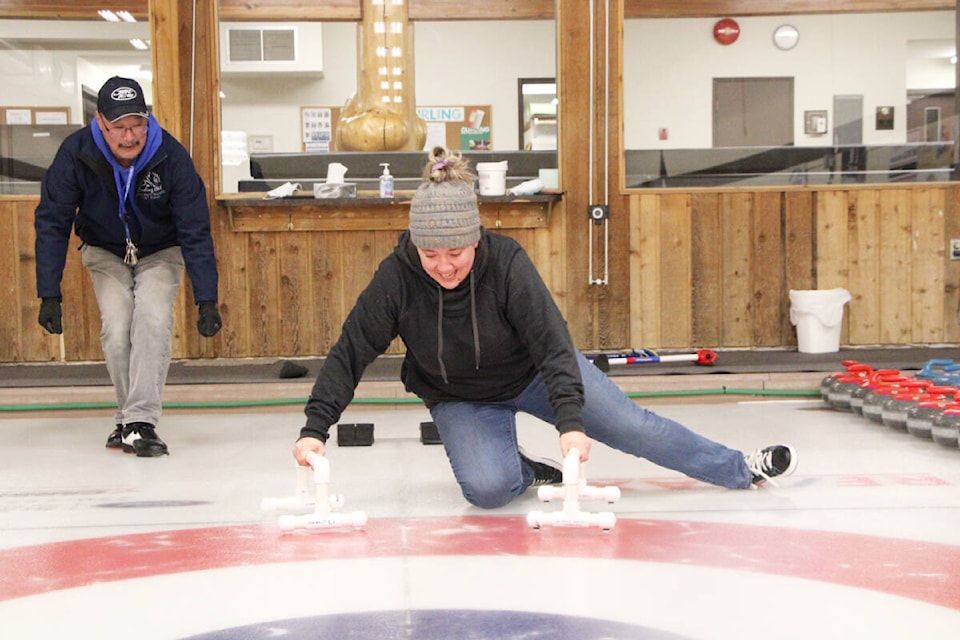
{"x":340,"y":190}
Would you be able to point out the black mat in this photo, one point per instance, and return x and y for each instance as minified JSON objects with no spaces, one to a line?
{"x":388,"y":367}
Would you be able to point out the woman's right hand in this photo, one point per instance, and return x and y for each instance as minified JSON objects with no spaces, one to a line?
{"x":305,"y":446}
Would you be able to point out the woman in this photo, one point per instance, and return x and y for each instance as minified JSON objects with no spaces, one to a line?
{"x":485,"y":340}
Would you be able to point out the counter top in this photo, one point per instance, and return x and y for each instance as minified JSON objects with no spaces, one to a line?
{"x":366,"y":199}
{"x":251,"y":212}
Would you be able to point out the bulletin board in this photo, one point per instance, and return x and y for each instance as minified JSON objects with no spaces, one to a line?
{"x":34,"y":115}
{"x":464,"y":127}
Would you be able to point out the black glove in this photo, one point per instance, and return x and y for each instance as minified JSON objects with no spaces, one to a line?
{"x":51,"y":315}
{"x":209,"y":321}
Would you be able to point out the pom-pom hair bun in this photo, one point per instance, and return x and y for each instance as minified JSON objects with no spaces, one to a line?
{"x":447,"y":166}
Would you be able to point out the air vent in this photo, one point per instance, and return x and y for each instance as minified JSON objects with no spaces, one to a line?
{"x":273,"y":48}
{"x":262,"y":45}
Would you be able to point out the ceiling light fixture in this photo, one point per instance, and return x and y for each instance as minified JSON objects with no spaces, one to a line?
{"x":108,"y":15}
{"x":139,"y":44}
{"x":126,"y":16}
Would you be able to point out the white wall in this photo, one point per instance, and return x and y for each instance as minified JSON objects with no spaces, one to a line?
{"x":669,"y":67}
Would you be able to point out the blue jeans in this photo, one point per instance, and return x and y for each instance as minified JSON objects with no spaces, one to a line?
{"x":136,"y":326}
{"x":481,"y":439}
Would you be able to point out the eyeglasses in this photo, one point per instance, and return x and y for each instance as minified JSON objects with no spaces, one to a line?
{"x":119,"y":132}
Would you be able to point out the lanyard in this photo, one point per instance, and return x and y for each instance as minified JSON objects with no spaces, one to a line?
{"x":131,"y":255}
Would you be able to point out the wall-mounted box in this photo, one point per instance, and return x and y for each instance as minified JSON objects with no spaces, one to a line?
{"x":266,"y":47}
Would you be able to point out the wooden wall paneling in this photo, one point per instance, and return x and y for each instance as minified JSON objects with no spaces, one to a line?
{"x":384,"y":242}
{"x":357,"y":264}
{"x":11,"y":324}
{"x":768,"y":277}
{"x":675,"y":271}
{"x":231,"y":250}
{"x":832,"y":245}
{"x":182,"y":333}
{"x":645,"y":291}
{"x":554,"y":237}
{"x":295,"y":323}
{"x":264,"y":300}
{"x":330,"y":310}
{"x":896,"y":251}
{"x":864,"y":268}
{"x":28,"y":337}
{"x":951,"y":307}
{"x":737,"y":312}
{"x":799,"y":230}
{"x":927,"y":276}
{"x":80,"y":310}
{"x":706,"y":262}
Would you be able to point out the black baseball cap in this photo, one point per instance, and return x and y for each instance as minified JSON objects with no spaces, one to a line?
{"x":121,"y":97}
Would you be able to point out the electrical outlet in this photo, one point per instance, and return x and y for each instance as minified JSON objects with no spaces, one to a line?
{"x":955,"y":249}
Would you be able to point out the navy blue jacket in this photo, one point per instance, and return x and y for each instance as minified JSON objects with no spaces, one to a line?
{"x":79,"y":192}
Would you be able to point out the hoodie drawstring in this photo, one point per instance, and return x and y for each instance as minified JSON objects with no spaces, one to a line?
{"x":473,"y":321}
{"x":443,"y":369}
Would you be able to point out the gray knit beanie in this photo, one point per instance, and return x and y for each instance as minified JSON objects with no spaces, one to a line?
{"x":444,"y":215}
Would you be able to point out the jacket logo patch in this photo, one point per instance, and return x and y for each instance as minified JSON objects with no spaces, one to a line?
{"x":150,"y":187}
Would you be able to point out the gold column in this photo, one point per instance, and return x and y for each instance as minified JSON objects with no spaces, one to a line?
{"x":382,"y":114}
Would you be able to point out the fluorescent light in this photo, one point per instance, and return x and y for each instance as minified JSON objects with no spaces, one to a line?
{"x":139,"y":44}
{"x":126,"y":16}
{"x":108,"y":15}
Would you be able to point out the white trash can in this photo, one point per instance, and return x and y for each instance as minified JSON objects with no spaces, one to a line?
{"x":818,"y":316}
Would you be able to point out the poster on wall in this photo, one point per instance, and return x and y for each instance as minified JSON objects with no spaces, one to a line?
{"x":317,"y":123}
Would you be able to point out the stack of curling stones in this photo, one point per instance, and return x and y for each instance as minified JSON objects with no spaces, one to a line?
{"x":926,"y":404}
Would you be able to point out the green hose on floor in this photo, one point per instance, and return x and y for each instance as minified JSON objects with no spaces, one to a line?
{"x":723,"y":391}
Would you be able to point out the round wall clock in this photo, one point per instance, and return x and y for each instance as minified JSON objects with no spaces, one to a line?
{"x":785,"y":37}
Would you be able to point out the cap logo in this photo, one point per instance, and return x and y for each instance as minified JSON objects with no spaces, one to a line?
{"x":122,"y":94}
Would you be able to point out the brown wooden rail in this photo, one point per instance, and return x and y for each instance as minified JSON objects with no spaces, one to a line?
{"x":706,"y":270}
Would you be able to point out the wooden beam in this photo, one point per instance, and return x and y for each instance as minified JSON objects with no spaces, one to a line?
{"x":290,"y":10}
{"x":718,"y":8}
{"x":69,"y":9}
{"x":349,"y":10}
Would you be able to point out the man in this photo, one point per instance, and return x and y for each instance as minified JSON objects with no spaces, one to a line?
{"x":135,"y":200}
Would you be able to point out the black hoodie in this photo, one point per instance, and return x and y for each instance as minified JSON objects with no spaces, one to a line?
{"x":500,"y":328}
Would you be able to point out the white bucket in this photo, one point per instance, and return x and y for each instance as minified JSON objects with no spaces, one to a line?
{"x":492,"y":177}
{"x":818,"y":316}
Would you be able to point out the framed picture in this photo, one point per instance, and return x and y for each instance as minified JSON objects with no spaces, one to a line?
{"x":815,"y":122}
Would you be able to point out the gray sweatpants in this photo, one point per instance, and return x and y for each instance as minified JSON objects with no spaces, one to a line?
{"x":136,"y":314}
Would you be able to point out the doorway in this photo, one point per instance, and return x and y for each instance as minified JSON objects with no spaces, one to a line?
{"x":752,"y":112}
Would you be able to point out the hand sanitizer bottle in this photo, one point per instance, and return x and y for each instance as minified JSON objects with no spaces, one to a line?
{"x":386,"y":181}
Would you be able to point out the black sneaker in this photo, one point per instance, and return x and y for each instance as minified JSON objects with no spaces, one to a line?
{"x":115,"y":439}
{"x":142,"y":439}
{"x":770,"y":462}
{"x":545,"y":470}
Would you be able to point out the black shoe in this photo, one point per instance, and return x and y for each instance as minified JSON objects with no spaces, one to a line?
{"x":115,"y":439}
{"x":545,"y":470}
{"x":142,"y":439}
{"x":770,"y":462}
